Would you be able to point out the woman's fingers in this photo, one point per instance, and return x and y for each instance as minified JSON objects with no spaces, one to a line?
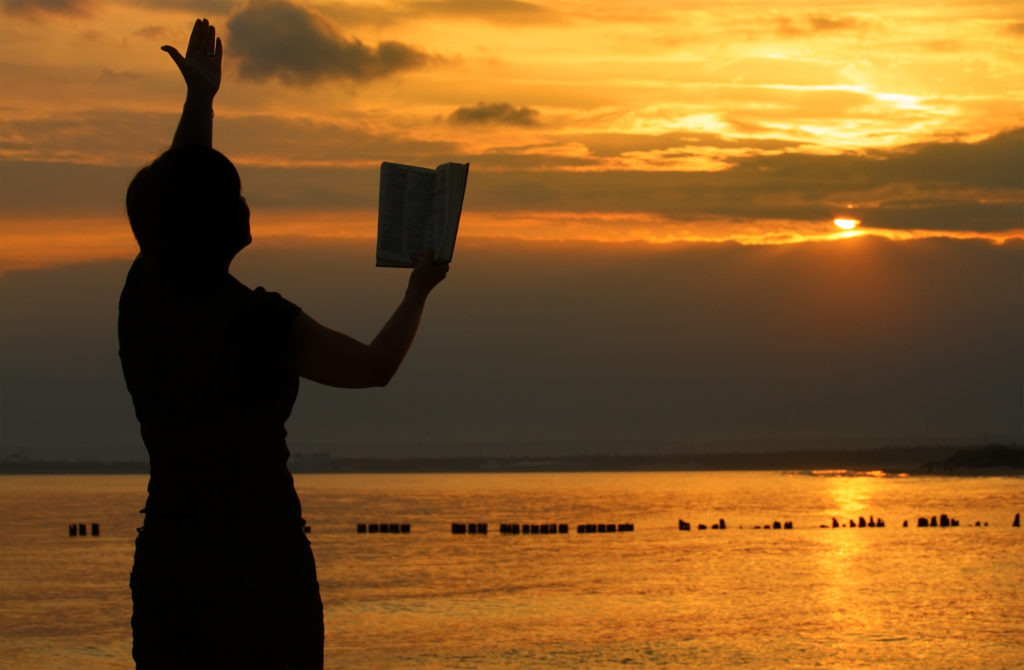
{"x":176,"y":56}
{"x":196,"y":41}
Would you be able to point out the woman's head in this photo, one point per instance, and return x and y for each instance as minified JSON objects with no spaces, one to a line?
{"x":187,"y":212}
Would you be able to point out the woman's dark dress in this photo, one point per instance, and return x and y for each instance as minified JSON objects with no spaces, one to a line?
{"x":223,"y":576}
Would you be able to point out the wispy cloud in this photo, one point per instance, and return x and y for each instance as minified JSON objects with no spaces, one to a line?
{"x":503,"y":11}
{"x":154,"y":33}
{"x":953,"y":186}
{"x":38,"y":8}
{"x":809,"y":24}
{"x":283,"y":40}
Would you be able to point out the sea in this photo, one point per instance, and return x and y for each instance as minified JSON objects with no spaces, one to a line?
{"x":749,"y":595}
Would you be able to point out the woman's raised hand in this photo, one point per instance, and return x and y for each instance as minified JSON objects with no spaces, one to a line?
{"x":426,"y":274}
{"x":201,"y":63}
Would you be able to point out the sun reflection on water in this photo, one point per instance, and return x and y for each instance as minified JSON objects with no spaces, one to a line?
{"x":843,"y":556}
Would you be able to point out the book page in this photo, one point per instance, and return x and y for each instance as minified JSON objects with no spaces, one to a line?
{"x":455,"y":178}
{"x":440,"y":211}
{"x":405,"y":217}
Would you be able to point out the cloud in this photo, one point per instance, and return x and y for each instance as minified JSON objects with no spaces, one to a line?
{"x":45,"y":189}
{"x":860,"y":337}
{"x":943,"y":186}
{"x":36,"y":8}
{"x":816,"y":23}
{"x":822,"y":22}
{"x":113,"y":137}
{"x":707,"y":339}
{"x":991,"y":163}
{"x":362,"y":14}
{"x":105,"y":137}
{"x":276,"y":38}
{"x":1016,"y":28}
{"x":209,"y":8}
{"x":495,"y":113}
{"x":106,"y":74}
{"x":498,"y":11}
{"x":155,"y":33}
{"x":937,"y":186}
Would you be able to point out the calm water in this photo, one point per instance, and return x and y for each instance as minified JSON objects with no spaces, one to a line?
{"x":656,"y":597}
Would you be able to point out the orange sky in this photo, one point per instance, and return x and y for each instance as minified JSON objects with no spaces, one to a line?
{"x":677,"y":121}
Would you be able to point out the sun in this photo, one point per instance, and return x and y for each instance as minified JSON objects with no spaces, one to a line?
{"x":846,"y":224}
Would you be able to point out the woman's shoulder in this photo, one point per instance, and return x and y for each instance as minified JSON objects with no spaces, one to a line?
{"x":259,"y":297}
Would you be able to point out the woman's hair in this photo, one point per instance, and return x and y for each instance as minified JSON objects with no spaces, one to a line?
{"x":186,"y":211}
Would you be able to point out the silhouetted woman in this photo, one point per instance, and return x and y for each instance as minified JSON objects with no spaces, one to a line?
{"x":224,"y":576}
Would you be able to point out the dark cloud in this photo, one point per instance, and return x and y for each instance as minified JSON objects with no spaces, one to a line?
{"x":495,"y":113}
{"x":990,"y":163}
{"x":276,"y":38}
{"x":943,"y":186}
{"x":948,"y":215}
{"x":1016,"y":28}
{"x":952,"y":186}
{"x":54,"y":367}
{"x":36,"y":8}
{"x":856,"y":338}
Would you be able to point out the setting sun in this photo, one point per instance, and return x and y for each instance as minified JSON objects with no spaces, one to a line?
{"x":847,"y":224}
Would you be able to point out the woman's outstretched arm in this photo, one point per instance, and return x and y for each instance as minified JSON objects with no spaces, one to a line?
{"x":200,"y":66}
{"x":329,"y":357}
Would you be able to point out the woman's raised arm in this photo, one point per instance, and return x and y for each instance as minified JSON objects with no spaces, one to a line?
{"x":329,"y":357}
{"x":200,"y":66}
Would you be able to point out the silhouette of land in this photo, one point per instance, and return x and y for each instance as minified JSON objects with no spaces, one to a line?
{"x":993,"y":459}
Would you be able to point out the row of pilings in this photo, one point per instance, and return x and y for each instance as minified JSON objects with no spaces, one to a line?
{"x":777,"y":525}
{"x":79,"y":530}
{"x":541,"y":528}
{"x":944,"y":521}
{"x":940,"y":521}
{"x":861,"y":522}
{"x":393,"y":528}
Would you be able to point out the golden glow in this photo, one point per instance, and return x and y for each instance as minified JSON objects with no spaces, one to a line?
{"x":41,"y":243}
{"x":695,"y":89}
{"x":851,"y":473}
{"x":30,"y":244}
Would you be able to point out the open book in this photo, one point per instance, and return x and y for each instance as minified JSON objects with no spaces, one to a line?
{"x":419,"y":209}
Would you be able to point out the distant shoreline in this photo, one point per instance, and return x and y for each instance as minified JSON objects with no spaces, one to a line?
{"x":993,"y":460}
